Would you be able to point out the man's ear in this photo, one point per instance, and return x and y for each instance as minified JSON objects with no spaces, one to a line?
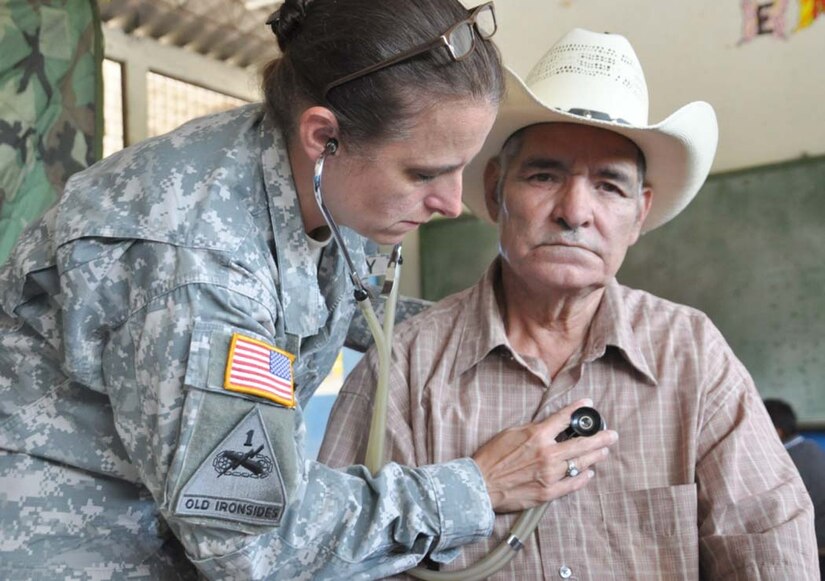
{"x":316,"y":126}
{"x":492,"y":173}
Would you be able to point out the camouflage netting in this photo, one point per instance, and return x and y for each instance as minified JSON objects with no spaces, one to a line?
{"x":50,"y":104}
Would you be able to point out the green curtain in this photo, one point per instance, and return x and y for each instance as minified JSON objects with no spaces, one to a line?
{"x":50,"y":104}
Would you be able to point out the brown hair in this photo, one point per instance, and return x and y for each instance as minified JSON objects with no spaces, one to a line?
{"x":323,"y":40}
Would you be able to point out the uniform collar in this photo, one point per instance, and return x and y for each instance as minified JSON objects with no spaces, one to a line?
{"x":483,"y":327}
{"x":305,"y":309}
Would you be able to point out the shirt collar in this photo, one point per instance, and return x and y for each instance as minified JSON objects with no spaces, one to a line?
{"x":484,"y":330}
{"x":482,"y":325}
{"x":611,"y":327}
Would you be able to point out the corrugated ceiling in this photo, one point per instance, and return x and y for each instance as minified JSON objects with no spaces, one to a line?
{"x":231,"y":31}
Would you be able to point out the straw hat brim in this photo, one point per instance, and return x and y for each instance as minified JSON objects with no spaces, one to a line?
{"x":678,"y":151}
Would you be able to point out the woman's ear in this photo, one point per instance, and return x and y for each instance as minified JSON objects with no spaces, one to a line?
{"x":492,"y":173}
{"x":316,"y":127}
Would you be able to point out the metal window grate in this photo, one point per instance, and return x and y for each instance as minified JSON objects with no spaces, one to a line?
{"x":172,"y":102}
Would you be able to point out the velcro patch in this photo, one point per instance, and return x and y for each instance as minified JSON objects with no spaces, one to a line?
{"x":257,"y":368}
{"x":240,"y":480}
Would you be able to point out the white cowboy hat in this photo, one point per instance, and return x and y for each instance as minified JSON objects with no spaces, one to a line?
{"x":596,"y":79}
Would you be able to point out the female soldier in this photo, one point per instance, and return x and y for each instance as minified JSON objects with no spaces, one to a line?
{"x":163,"y":325}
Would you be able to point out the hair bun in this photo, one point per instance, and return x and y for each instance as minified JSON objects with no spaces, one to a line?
{"x":287,"y":20}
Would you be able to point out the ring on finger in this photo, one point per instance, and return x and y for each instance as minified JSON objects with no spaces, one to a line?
{"x":572,"y":469}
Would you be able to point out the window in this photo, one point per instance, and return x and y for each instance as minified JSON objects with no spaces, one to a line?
{"x":151,"y":88}
{"x":173,"y":102}
{"x":113,"y":128}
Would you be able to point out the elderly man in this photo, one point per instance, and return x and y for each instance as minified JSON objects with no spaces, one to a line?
{"x":698,"y":484}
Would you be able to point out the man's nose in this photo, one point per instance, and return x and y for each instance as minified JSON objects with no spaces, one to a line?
{"x":574,"y":207}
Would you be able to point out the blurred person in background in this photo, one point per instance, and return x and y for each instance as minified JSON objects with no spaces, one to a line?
{"x":809,"y":458}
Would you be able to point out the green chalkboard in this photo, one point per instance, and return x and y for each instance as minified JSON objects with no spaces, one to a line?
{"x":749,"y":251}
{"x":454,"y":254}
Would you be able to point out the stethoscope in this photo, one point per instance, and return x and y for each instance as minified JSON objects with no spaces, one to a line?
{"x":382,"y":335}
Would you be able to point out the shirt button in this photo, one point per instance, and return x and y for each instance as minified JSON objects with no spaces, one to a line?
{"x":565,"y":572}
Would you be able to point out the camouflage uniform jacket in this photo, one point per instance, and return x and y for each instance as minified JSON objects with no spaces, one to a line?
{"x":119,"y":316}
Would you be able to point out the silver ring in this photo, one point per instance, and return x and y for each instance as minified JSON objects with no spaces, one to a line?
{"x":571,"y":469}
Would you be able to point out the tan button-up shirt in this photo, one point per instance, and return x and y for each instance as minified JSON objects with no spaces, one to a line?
{"x":698,"y":484}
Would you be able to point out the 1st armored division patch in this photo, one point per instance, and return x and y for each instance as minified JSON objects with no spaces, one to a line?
{"x":240,"y":480}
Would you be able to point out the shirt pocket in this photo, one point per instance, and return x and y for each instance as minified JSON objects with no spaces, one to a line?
{"x":652,"y":533}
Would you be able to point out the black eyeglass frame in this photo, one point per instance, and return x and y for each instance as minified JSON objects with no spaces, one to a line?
{"x":442,"y":40}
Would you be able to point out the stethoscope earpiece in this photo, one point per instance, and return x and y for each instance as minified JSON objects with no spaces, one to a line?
{"x":332,"y":146}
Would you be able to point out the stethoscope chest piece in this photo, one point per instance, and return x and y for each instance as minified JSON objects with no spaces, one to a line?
{"x":584,"y":422}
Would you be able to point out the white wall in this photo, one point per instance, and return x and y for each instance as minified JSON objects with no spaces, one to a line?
{"x":769,"y":93}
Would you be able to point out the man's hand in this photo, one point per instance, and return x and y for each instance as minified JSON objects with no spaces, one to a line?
{"x":525,"y":466}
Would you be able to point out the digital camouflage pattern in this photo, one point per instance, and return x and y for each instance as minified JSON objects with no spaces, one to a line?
{"x":116,"y":311}
{"x":50,"y":82}
{"x":359,"y":337}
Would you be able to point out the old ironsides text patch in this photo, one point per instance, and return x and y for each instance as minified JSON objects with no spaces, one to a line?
{"x":240,"y":479}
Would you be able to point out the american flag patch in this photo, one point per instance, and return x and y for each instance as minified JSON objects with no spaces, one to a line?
{"x":256,"y":368}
